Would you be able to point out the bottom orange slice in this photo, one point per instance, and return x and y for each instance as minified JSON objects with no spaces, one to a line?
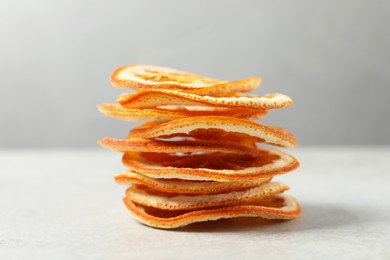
{"x":274,"y":207}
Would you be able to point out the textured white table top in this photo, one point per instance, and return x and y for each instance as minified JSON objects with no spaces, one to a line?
{"x":63,"y":204}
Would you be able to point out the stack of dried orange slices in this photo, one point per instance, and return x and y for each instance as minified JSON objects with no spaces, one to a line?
{"x":196,"y":158}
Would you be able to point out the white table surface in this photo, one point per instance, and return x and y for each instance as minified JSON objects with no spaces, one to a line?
{"x":64,"y":204}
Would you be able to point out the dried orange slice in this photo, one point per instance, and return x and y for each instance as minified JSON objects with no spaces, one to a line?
{"x":239,"y":112}
{"x":133,"y":115}
{"x":211,"y":166}
{"x":173,"y":201}
{"x":134,"y":144}
{"x":208,"y":127}
{"x":158,"y":98}
{"x":141,"y":77}
{"x":273,"y":207}
{"x":174,"y":112}
{"x":187,"y":187}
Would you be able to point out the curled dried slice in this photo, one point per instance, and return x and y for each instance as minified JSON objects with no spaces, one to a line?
{"x":134,"y":144}
{"x":274,"y":207}
{"x":187,"y":187}
{"x":211,"y":166}
{"x":156,"y":98}
{"x":133,"y":115}
{"x":203,"y":127}
{"x":239,"y":112}
{"x":174,"y":112}
{"x":140,"y":77}
{"x":172,"y":201}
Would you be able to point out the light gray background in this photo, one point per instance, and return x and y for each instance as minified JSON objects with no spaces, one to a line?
{"x":331,"y":57}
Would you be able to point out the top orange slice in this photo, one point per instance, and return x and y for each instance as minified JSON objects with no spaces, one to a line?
{"x":142,"y":77}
